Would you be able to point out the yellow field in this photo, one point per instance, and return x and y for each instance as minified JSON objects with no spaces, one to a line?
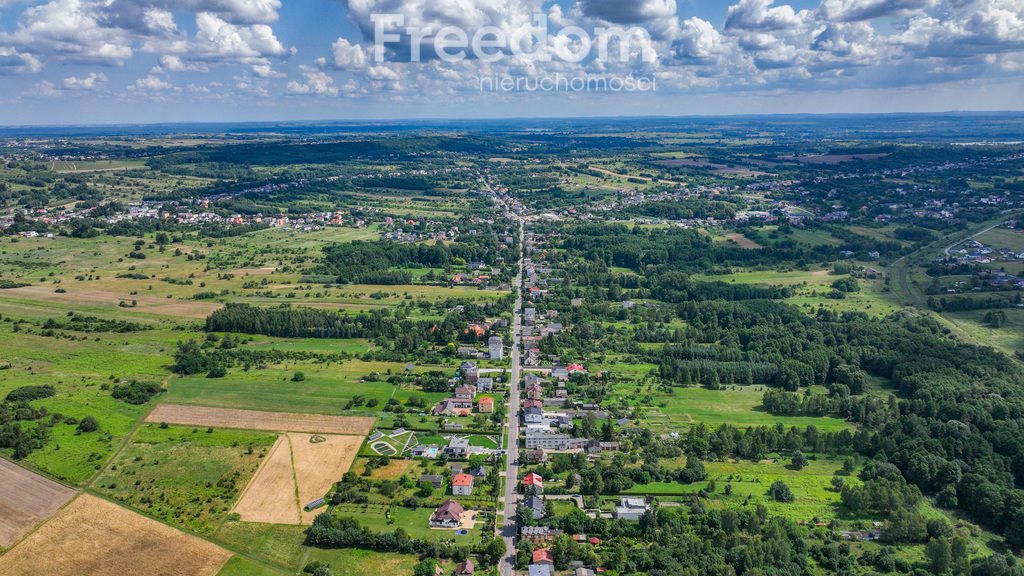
{"x":296,"y":472}
{"x":255,"y":420}
{"x":93,"y":537}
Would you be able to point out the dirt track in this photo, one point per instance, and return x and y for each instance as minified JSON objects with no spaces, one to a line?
{"x":253,"y":420}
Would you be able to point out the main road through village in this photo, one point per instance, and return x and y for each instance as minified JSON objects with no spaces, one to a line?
{"x":509,"y":529}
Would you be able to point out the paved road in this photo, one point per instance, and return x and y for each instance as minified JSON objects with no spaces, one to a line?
{"x":508,"y":531}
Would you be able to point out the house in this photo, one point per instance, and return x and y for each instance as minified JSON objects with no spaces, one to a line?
{"x":583,"y":572}
{"x":495,"y":348}
{"x":453,"y":407}
{"x":546,"y":440}
{"x":466,"y":351}
{"x":478,"y":472}
{"x":465,"y":568}
{"x":533,"y":481}
{"x":437,"y":481}
{"x":465,"y":393}
{"x":533,"y":415}
{"x":530,"y":316}
{"x":462,"y":485}
{"x":542,"y":557}
{"x":447,"y":515}
{"x":540,"y":570}
{"x":535,"y":456}
{"x":630,"y":508}
{"x":560,"y":372}
{"x":485,"y":384}
{"x":536,"y":506}
{"x":457,"y":448}
{"x":454,"y":427}
{"x":537,"y":535}
{"x":485,"y":405}
{"x":425,"y":451}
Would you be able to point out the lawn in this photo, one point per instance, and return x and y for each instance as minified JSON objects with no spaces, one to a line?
{"x":277,"y":544}
{"x":353,"y":562}
{"x":415,"y":521}
{"x":737,"y":406}
{"x":185,"y":476}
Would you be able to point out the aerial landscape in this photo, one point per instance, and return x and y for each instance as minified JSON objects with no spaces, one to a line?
{"x":331,"y":310}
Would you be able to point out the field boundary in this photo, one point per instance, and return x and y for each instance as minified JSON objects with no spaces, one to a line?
{"x":186,"y":415}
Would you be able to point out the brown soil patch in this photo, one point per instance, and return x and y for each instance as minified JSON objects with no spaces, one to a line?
{"x":255,"y":420}
{"x":26,"y":499}
{"x":93,"y":537}
{"x":743,"y":241}
{"x":270,"y":496}
{"x":296,"y":465}
{"x":393,"y":471}
{"x":150,"y":304}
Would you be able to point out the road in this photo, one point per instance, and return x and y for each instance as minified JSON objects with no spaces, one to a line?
{"x":509,"y":529}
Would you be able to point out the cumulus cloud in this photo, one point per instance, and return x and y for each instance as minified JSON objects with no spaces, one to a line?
{"x":314,"y":82}
{"x":14,"y":62}
{"x":635,"y":12}
{"x":760,"y":15}
{"x":855,"y":10}
{"x":151,"y":84}
{"x":348,"y":56}
{"x":91,"y":81}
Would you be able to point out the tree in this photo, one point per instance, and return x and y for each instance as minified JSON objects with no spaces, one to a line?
{"x":425,"y":567}
{"x":837,"y":483}
{"x":940,"y":555}
{"x":88,"y":424}
{"x":298,"y":377}
{"x":799,"y":460}
{"x":780,"y":492}
{"x":426,"y":489}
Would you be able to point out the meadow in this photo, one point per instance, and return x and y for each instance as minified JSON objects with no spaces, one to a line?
{"x":189,"y":477}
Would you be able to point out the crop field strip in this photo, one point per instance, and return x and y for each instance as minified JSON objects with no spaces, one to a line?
{"x":26,"y":499}
{"x":93,"y":537}
{"x":254,"y":420}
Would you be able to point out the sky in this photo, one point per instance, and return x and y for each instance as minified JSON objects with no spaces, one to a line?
{"x":155,"y":61}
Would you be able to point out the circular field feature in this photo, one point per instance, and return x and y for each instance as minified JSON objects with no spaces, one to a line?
{"x":384,"y":449}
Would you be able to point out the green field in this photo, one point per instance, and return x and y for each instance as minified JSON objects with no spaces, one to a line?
{"x":185,"y":476}
{"x":325,"y":390}
{"x":686,"y":407}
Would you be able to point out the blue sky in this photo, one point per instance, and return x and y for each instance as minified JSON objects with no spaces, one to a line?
{"x":132,"y":61}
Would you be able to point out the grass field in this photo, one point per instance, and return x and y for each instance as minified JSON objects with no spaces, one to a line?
{"x":740,"y":407}
{"x":93,"y":537}
{"x":276,"y":544}
{"x":325,"y":390}
{"x":1003,"y":238}
{"x":184,"y":476}
{"x":415,"y":521}
{"x":750,"y":482}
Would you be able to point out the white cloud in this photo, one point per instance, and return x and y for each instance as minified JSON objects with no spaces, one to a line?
{"x":314,"y":82}
{"x":90,"y":81}
{"x":14,"y":62}
{"x":854,"y":10}
{"x":151,"y":84}
{"x":634,"y":12}
{"x":45,"y":89}
{"x":759,"y":15}
{"x":348,"y":56}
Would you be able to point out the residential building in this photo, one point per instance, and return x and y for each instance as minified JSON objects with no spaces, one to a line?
{"x":536,"y":506}
{"x":534,"y":482}
{"x":437,"y":481}
{"x":543,"y":557}
{"x":485,"y":405}
{"x":465,"y":568}
{"x":495,"y":348}
{"x":462,"y":485}
{"x":457,"y":448}
{"x":630,"y":508}
{"x":447,"y":515}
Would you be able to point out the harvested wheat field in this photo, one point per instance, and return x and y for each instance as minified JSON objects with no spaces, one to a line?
{"x":270,"y":496}
{"x":296,"y":466}
{"x":26,"y":499}
{"x":92,"y":537}
{"x":254,"y":420}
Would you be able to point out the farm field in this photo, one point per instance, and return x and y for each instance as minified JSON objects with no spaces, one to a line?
{"x":253,"y":420}
{"x":187,"y":477}
{"x":296,"y":472}
{"x":93,"y":537}
{"x":26,"y":499}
